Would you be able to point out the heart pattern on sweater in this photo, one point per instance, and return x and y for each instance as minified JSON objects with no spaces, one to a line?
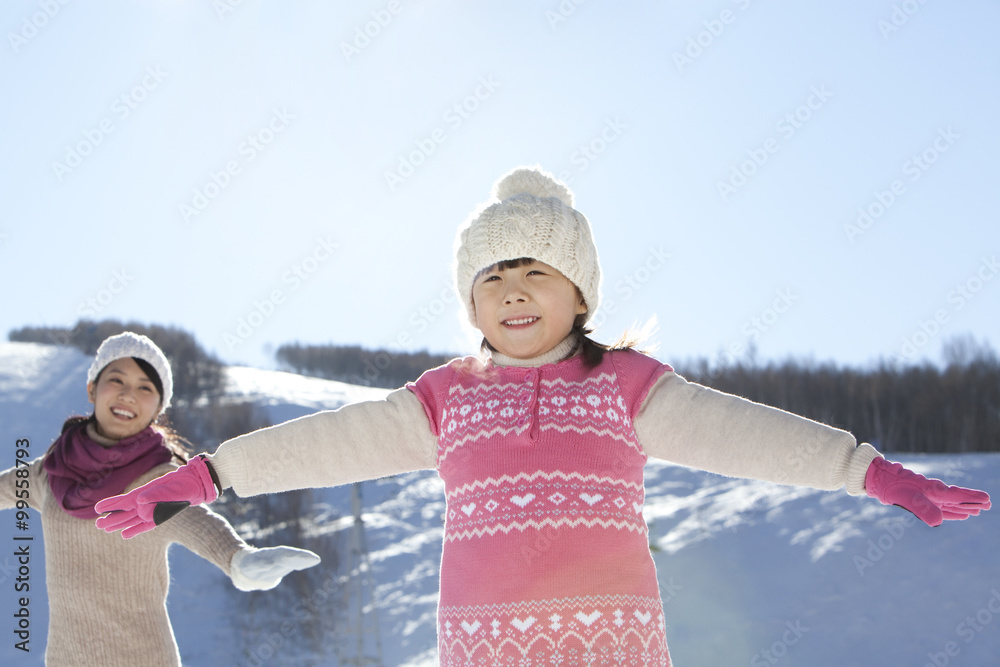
{"x":471,"y":627}
{"x":522,"y":501}
{"x":469,"y":509}
{"x":571,"y":493}
{"x":525,"y":624}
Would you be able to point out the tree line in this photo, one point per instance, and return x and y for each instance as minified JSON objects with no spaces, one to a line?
{"x":356,"y":365}
{"x":917,"y":407}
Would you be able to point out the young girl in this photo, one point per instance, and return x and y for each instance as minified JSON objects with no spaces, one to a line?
{"x":107,"y":598}
{"x":541,"y":446}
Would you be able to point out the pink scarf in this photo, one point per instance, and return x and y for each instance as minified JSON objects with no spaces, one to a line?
{"x":82,"y":472}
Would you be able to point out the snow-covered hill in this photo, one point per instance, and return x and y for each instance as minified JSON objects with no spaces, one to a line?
{"x":751,"y":573}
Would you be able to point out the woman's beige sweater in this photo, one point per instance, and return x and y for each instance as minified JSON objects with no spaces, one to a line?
{"x":107,"y":596}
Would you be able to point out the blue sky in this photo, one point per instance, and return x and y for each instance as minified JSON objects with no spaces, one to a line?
{"x":817,"y":180}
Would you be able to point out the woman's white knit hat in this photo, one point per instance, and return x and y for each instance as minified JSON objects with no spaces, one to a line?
{"x":530,"y":214}
{"x":130,"y":344}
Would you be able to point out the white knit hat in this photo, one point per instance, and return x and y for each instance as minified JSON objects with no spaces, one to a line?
{"x":130,"y":344}
{"x":529,"y":215}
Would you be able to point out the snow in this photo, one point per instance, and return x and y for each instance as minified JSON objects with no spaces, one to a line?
{"x":285,"y":396}
{"x":751,"y":573}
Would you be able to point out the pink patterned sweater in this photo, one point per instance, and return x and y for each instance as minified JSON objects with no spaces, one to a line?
{"x":546,"y":557}
{"x":546,"y":553}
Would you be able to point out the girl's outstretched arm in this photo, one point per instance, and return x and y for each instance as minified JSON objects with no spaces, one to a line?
{"x":357,"y":442}
{"x":695,"y":426}
{"x":702,"y":428}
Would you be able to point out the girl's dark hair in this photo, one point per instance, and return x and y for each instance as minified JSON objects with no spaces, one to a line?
{"x":591,"y":351}
{"x":177,"y":444}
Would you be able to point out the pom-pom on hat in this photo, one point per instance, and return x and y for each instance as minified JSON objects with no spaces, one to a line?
{"x":530,"y":214}
{"x":130,"y":344}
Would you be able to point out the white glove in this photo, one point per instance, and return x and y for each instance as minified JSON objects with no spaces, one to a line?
{"x":262,"y":569}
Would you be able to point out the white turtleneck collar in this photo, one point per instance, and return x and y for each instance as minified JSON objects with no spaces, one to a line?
{"x":563,"y":350}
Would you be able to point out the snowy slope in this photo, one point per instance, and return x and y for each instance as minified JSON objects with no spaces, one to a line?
{"x":751,"y":573}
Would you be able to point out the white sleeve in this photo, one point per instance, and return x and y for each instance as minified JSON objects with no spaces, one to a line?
{"x":354,"y":443}
{"x":686,"y":423}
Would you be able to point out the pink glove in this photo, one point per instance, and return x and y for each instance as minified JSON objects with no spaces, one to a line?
{"x":931,"y":500}
{"x":156,"y":501}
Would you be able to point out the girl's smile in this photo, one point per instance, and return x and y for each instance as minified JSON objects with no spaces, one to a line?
{"x":521,"y":322}
{"x":527,"y":310}
{"x":125,"y":399}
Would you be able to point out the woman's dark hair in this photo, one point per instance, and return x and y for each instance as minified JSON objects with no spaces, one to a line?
{"x":591,"y":351}
{"x":151,"y":373}
{"x":177,"y":444}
